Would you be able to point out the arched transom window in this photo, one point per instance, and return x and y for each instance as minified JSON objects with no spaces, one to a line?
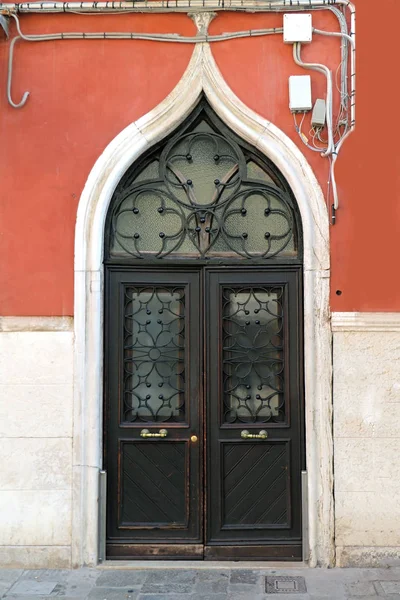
{"x":203,"y":194}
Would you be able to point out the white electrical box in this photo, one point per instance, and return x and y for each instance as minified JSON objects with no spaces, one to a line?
{"x":297,"y":28}
{"x":300,"y":93}
{"x":318,"y":114}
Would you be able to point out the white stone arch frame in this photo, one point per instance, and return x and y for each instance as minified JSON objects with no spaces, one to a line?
{"x":201,"y":76}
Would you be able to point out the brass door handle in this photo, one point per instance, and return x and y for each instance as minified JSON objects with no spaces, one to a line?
{"x":145,"y":433}
{"x":258,"y":436}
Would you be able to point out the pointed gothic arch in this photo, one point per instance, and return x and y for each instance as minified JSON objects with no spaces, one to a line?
{"x":201,"y":77}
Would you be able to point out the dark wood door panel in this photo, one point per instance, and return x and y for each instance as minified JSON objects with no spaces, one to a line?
{"x":153,"y":341}
{"x":255,"y":485}
{"x":147,"y":551}
{"x":286,"y":551}
{"x":154,"y":485}
{"x":245,"y":324}
{"x":254,"y":411}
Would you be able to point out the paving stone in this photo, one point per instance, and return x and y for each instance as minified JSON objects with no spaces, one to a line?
{"x":121,"y":578}
{"x":246,"y":596}
{"x":167,"y":588}
{"x":36,"y":597}
{"x":32,"y":587}
{"x":212,"y":575}
{"x":47,"y":574}
{"x":80,"y":582}
{"x":104,"y":593}
{"x":212,"y":587}
{"x":200,"y":596}
{"x":244,"y":576}
{"x":170,"y":597}
{"x":390,"y":587}
{"x":10,"y":575}
{"x":375,"y":597}
{"x":194,"y":583}
{"x":383,"y":595}
{"x":360,"y":588}
{"x":325,"y":588}
{"x":4,"y":587}
{"x":77,"y":576}
{"x":171,"y":576}
{"x":292,"y":596}
{"x":246,"y":588}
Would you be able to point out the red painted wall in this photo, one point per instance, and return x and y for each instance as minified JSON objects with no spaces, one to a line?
{"x":83,"y":93}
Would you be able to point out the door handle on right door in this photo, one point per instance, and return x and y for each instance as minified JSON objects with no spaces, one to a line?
{"x":254,"y":436}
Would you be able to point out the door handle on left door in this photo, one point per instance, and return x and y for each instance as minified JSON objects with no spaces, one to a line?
{"x":258,"y":436}
{"x":147,"y":434}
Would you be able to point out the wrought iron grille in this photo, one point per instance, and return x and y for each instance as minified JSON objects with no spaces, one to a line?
{"x":154,"y":354}
{"x":203,"y":195}
{"x":253,"y":354}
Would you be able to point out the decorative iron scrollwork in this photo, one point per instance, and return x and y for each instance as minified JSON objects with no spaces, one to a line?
{"x":202,"y":196}
{"x":154,"y":359}
{"x":253,"y":354}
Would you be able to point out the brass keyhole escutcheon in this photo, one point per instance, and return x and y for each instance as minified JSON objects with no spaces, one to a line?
{"x":193,"y":438}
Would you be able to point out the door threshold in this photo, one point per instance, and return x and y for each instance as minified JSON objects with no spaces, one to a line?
{"x":264,"y":565}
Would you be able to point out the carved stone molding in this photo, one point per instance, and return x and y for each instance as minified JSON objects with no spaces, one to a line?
{"x":202,"y":76}
{"x":365,"y":321}
{"x":202,"y":21}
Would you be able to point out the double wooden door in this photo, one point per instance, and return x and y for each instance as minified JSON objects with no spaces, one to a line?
{"x":203,"y":413}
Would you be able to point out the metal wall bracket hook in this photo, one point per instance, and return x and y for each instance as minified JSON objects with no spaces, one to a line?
{"x":10,"y":74}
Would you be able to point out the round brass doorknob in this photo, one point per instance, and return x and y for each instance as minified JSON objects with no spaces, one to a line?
{"x":193,"y":438}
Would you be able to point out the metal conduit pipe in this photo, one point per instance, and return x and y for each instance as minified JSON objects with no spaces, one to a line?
{"x":168,"y":6}
{"x":171,"y":6}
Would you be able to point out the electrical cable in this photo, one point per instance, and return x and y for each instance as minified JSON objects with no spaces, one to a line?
{"x":155,"y":37}
{"x":325,"y":71}
{"x":302,"y":135}
{"x":168,"y":6}
{"x":161,"y":37}
{"x":334,"y":34}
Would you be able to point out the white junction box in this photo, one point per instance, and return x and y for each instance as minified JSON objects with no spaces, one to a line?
{"x":318,"y":114}
{"x":300,"y":93}
{"x":297,"y":28}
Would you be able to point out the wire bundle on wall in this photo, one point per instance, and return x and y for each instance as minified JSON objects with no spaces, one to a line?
{"x":336,"y":133}
{"x":345,"y":122}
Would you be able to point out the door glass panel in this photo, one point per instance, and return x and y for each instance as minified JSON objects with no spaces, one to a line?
{"x":253,"y":355}
{"x":154,"y":354}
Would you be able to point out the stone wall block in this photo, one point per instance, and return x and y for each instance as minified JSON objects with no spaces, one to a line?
{"x":36,"y":410}
{"x":35,"y":518}
{"x":35,"y":463}
{"x":39,"y":357}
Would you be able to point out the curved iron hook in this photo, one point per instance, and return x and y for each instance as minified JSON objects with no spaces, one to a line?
{"x":9,"y":76}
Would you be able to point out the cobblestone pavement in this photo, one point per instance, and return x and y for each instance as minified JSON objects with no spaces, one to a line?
{"x":205,"y":583}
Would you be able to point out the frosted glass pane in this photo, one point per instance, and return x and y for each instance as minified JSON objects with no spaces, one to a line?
{"x":154,"y":354}
{"x":256,"y":172}
{"x":149,"y":172}
{"x":252,"y":355}
{"x":202,"y":197}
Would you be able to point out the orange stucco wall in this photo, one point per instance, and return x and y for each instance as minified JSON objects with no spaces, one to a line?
{"x":83,"y":93}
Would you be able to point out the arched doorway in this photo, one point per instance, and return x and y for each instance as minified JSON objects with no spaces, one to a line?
{"x":204,"y":443}
{"x":202,"y":76}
